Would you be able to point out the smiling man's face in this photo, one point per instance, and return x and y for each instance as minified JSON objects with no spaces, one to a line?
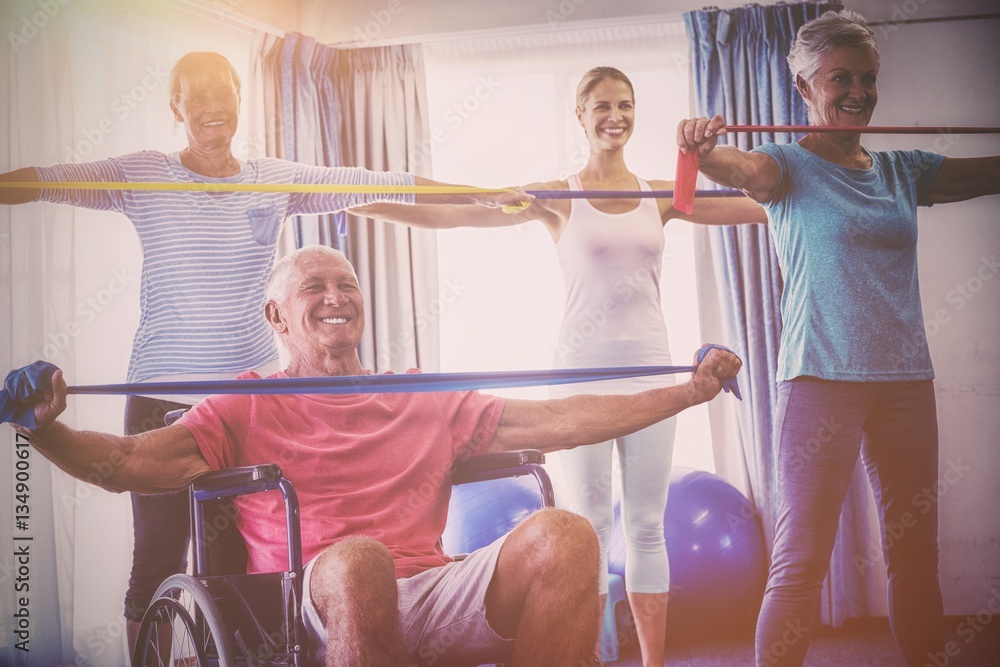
{"x":321,"y":314}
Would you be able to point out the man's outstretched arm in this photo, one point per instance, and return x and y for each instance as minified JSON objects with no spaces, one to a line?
{"x":587,"y":419}
{"x":166,"y":459}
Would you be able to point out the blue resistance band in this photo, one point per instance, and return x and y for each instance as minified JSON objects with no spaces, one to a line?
{"x":25,"y":385}
{"x":383,"y":384}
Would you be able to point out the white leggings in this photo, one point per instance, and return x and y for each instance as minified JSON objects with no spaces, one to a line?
{"x":644,"y":458}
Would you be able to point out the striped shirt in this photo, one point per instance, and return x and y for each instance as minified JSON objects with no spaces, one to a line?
{"x":207,"y":255}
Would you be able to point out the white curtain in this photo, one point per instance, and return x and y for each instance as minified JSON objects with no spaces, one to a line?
{"x":384,"y":120}
{"x":85,"y":80}
{"x":37,"y":297}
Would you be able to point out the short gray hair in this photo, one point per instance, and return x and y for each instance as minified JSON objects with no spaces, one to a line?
{"x":821,"y":36}
{"x":274,"y":288}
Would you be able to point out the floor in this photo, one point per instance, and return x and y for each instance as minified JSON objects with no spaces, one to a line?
{"x":861,"y":643}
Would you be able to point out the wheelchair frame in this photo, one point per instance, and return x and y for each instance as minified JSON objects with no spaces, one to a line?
{"x":221,"y":616}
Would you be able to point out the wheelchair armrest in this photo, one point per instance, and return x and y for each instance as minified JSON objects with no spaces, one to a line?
{"x":494,"y":466}
{"x":220,"y":484}
{"x":236,"y":481}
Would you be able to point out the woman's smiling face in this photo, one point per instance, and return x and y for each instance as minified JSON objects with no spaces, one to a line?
{"x":608,"y":114}
{"x":843,"y":91}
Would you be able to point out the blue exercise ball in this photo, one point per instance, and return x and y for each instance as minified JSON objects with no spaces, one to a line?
{"x":481,"y":512}
{"x":715,"y":545}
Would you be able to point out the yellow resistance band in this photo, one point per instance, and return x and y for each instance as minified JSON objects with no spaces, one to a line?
{"x":257,"y":187}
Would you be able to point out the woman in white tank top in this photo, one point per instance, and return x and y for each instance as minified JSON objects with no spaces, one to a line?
{"x":610,"y":252}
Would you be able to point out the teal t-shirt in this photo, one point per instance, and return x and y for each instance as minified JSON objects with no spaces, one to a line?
{"x":846,"y":241}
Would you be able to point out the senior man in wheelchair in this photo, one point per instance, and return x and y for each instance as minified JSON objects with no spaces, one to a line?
{"x":378,"y":589}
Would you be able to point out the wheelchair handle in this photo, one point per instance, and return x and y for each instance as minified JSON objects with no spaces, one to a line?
{"x":173,"y":415}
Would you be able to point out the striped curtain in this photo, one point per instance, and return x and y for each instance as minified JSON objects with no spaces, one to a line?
{"x":367,"y":108}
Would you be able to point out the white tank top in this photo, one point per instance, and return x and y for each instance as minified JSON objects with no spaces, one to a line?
{"x":611,"y":270}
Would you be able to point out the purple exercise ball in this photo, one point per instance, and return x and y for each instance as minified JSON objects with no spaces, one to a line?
{"x":718,"y":563}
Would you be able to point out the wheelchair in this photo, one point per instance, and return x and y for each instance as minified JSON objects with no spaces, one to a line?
{"x":219,"y":616}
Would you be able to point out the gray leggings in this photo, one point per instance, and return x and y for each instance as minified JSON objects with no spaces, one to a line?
{"x":644,"y":458}
{"x":820,"y":428}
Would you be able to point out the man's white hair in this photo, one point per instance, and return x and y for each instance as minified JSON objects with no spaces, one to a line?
{"x":275,"y":288}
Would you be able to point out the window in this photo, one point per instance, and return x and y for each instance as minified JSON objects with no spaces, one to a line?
{"x":502,"y":113}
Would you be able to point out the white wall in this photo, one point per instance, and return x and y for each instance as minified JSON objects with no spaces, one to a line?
{"x":341,"y":21}
{"x":335,"y":21}
{"x":960,"y":286}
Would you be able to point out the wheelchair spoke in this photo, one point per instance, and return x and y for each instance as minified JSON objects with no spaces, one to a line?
{"x":168,"y":637}
{"x":183,"y":628}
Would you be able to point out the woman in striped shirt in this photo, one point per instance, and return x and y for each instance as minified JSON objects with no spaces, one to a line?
{"x":206,"y":256}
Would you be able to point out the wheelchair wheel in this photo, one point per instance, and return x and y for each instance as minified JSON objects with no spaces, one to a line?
{"x":183,"y":627}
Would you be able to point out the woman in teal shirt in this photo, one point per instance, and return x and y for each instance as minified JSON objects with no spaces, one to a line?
{"x":854,"y":372}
